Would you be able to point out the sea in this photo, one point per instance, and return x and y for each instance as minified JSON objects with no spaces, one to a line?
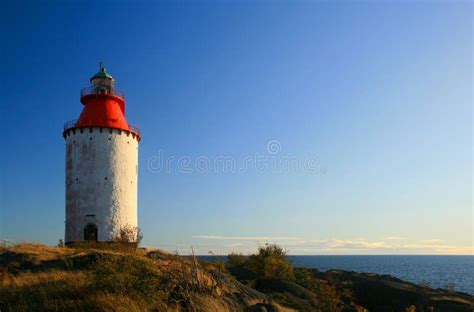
{"x":435,"y":271}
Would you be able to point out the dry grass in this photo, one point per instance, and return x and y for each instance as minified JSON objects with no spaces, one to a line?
{"x":54,"y":290}
{"x":451,"y":299}
{"x":74,"y":279}
{"x":42,"y":252}
{"x":104,"y":277}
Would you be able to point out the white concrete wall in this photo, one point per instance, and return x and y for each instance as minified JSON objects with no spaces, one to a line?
{"x":101,"y":181}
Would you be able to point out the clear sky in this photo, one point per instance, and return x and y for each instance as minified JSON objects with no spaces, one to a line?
{"x":371,"y":102}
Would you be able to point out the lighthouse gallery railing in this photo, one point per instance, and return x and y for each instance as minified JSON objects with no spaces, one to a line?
{"x":102,"y":90}
{"x":72,"y":124}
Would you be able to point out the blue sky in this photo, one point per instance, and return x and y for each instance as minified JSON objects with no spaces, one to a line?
{"x":375,"y":96}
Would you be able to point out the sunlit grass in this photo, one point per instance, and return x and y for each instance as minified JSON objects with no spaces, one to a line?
{"x":107,"y":277}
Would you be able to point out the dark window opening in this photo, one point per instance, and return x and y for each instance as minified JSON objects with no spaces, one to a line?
{"x":90,"y":233}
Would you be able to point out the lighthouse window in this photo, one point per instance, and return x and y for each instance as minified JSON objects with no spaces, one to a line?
{"x":90,"y":138}
{"x":106,"y":178}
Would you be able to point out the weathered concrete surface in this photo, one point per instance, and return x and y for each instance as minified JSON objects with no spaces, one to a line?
{"x":101,"y":181}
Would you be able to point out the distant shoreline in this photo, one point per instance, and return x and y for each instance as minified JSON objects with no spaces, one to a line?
{"x":439,"y":273}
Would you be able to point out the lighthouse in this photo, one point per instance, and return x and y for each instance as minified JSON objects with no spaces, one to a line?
{"x":101,"y":165}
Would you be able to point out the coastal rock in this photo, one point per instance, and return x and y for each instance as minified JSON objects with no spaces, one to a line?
{"x":387,"y":293}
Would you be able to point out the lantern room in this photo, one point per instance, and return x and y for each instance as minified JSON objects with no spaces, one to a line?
{"x":103,"y":82}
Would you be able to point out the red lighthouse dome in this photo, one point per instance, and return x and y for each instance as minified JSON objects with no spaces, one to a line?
{"x":104,"y":105}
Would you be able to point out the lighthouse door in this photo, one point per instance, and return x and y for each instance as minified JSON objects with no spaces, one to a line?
{"x":90,"y":233}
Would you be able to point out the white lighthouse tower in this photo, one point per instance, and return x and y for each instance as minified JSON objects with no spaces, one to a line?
{"x":101,"y":165}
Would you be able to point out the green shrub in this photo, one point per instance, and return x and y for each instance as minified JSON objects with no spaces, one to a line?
{"x":329,"y":297}
{"x":235,"y":259}
{"x":271,"y":261}
{"x":306,"y":278}
{"x":128,"y":235}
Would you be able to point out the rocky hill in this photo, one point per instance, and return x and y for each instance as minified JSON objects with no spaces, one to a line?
{"x":35,"y":277}
{"x":88,"y":277}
